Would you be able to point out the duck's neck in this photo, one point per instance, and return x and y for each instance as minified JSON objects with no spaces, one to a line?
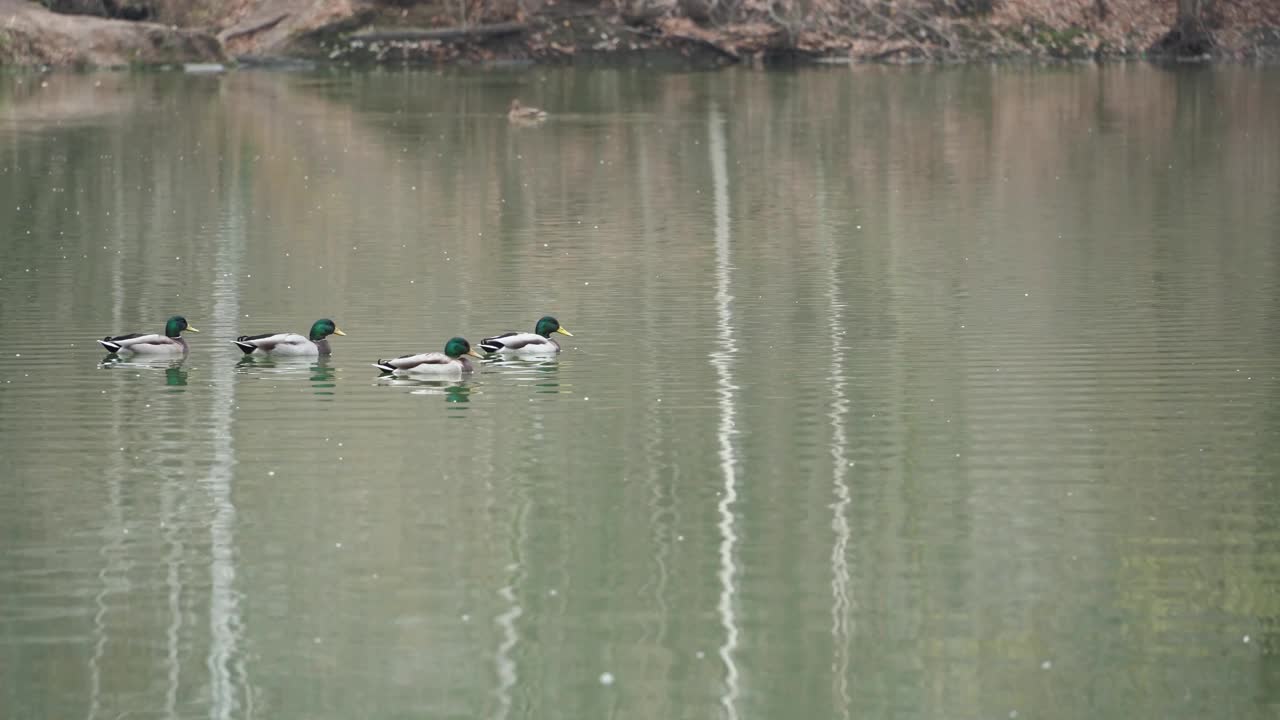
{"x":465,"y":362}
{"x":322,"y":345}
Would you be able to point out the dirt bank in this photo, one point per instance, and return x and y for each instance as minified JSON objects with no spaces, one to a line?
{"x":763,"y":31}
{"x":701,"y":32}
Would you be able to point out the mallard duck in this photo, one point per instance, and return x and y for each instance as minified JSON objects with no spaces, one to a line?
{"x":538,"y":342}
{"x":524,"y":114}
{"x":170,"y":343}
{"x":451,"y":363}
{"x":292,"y":343}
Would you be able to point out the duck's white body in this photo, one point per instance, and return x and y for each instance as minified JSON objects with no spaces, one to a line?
{"x":520,"y":344}
{"x":292,"y":344}
{"x":170,"y":343}
{"x":287,"y":344}
{"x":154,"y":344}
{"x":433,"y":364}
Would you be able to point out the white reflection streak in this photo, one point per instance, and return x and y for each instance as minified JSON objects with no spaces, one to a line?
{"x":115,"y":529}
{"x":506,"y":666}
{"x":653,"y":441}
{"x":722,"y":360}
{"x":224,"y":603}
{"x":503,"y":661}
{"x":507,"y":675}
{"x":112,"y":568}
{"x":839,"y":408}
{"x":225,"y":625}
{"x":174,"y":582}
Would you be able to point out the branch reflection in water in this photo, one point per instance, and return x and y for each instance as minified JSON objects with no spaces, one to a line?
{"x":841,"y":610}
{"x":723,"y":362}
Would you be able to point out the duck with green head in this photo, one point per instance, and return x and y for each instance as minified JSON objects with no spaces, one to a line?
{"x":451,"y":363}
{"x":170,"y":343}
{"x":538,"y":342}
{"x":315,"y":343}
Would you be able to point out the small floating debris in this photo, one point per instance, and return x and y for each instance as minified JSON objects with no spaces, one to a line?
{"x":606,"y":678}
{"x":204,"y":68}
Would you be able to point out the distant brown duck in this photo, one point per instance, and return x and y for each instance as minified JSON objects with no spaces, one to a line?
{"x":524,"y":114}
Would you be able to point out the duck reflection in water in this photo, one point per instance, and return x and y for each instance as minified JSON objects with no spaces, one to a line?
{"x":322,"y":372}
{"x":454,"y":391}
{"x":319,"y":370}
{"x":544,"y":372}
{"x":175,"y":375}
{"x":322,"y":377}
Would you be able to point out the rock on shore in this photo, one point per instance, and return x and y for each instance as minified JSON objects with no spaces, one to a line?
{"x":32,"y":35}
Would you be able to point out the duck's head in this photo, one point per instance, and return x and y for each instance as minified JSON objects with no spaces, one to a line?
{"x":457,"y":347}
{"x":515,"y":105}
{"x":175,"y":325}
{"x":323,"y":328}
{"x":547,"y":325}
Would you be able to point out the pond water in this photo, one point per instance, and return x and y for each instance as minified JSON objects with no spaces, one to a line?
{"x":910,"y":393}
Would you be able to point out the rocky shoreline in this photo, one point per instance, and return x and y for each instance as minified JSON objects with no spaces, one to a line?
{"x":678,"y":33}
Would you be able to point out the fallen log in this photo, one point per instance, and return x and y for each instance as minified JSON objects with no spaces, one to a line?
{"x":267,"y":24}
{"x":721,"y":48}
{"x":453,"y":33}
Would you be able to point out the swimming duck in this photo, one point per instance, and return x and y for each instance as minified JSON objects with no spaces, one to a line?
{"x":170,"y":343}
{"x":538,"y":342}
{"x":524,"y":114}
{"x":451,"y":363}
{"x":292,"y":343}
